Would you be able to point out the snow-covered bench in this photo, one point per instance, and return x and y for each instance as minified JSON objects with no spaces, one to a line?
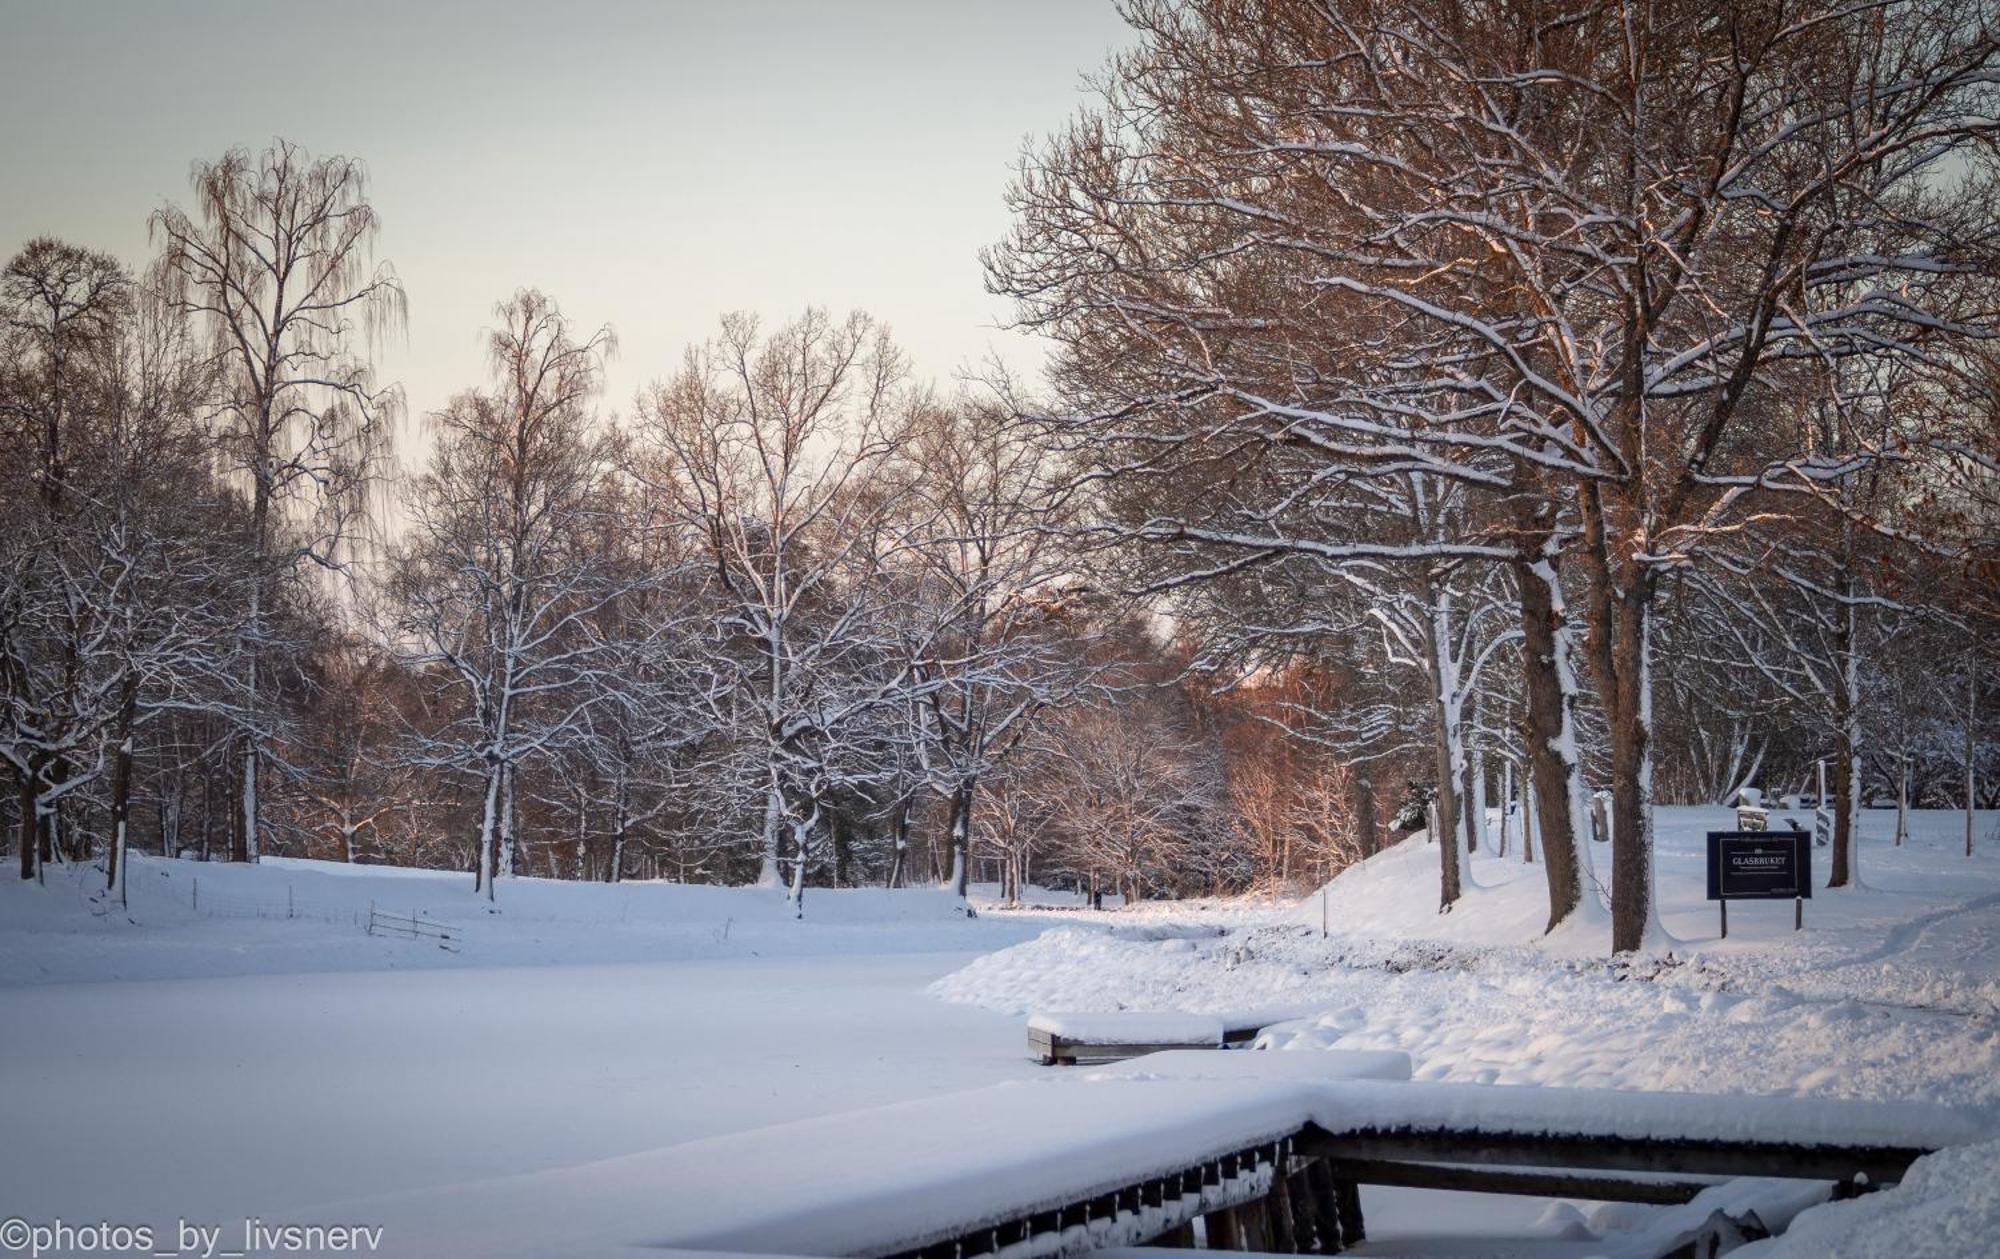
{"x":1073,"y":1038}
{"x":1108,"y":1035}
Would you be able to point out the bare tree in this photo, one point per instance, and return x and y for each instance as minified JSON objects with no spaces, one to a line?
{"x":777,"y":452}
{"x":1586,"y":263}
{"x":277,"y":259}
{"x":989,"y":639}
{"x":497,"y":585}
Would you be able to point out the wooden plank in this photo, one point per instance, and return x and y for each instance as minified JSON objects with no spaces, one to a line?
{"x":1531,"y":1183}
{"x":1881,"y":1164}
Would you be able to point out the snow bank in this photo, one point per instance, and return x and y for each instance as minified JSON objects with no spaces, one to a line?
{"x":188,"y":919}
{"x":1195,"y":1064}
{"x":1910,"y":970}
{"x":1946,"y":1208}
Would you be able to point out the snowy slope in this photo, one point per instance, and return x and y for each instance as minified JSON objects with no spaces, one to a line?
{"x":1891,"y":992}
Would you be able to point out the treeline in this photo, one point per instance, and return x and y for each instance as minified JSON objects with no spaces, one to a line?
{"x":801,"y":618}
{"x":1458,"y":420}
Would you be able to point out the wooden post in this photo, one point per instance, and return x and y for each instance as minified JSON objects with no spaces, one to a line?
{"x":1724,"y":906}
{"x":1325,"y":1202}
{"x":1281,"y":1230}
{"x":1352,"y":1229}
{"x":1798,"y":913}
{"x":1250,"y":1222}
{"x":1223,"y":1230}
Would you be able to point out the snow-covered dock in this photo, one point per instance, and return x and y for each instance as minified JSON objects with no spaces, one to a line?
{"x":1267,"y":1154}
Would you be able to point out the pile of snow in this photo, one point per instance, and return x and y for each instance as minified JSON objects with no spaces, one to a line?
{"x":1946,"y":1208}
{"x":1200,"y":1064}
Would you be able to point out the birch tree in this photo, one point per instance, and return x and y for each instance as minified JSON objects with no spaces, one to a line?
{"x":277,"y":259}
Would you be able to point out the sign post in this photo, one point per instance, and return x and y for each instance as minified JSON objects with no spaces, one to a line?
{"x":1760,"y":866}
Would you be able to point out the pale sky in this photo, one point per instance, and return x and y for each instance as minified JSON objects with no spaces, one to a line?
{"x":649,"y":165}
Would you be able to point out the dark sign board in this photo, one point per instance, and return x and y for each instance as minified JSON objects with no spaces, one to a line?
{"x":1759,"y":865}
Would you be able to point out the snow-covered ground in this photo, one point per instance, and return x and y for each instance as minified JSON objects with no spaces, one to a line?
{"x":233,"y":1043}
{"x":1892,"y":992}
{"x":183,"y":1058}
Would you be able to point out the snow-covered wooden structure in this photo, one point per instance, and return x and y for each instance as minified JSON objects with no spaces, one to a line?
{"x":1259,"y":1149}
{"x":1108,"y":1037}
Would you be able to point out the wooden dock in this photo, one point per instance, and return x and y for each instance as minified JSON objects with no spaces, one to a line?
{"x":1201,"y":1149}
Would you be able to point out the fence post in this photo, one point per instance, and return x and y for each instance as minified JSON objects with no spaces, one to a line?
{"x":288,"y":900}
{"x":194,"y":895}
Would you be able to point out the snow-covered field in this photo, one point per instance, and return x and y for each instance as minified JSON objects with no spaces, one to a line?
{"x":234,"y":1044}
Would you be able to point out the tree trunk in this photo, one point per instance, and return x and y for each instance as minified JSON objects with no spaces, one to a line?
{"x":1364,"y":815}
{"x":1449,"y":826}
{"x":801,"y":830}
{"x":121,"y":793}
{"x":1902,"y":796}
{"x":774,"y":817}
{"x":1971,"y":747}
{"x":46,"y":806}
{"x":1444,"y":830}
{"x":504,"y":869}
{"x":961,"y":837}
{"x":897,"y":863}
{"x":1630,"y":718}
{"x":489,"y":826}
{"x":1475,"y":800}
{"x":243,"y":839}
{"x":615,"y":871}
{"x":31,"y":831}
{"x":1548,"y":732}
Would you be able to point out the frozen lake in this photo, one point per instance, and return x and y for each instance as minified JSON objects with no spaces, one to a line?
{"x":268,"y":1094}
